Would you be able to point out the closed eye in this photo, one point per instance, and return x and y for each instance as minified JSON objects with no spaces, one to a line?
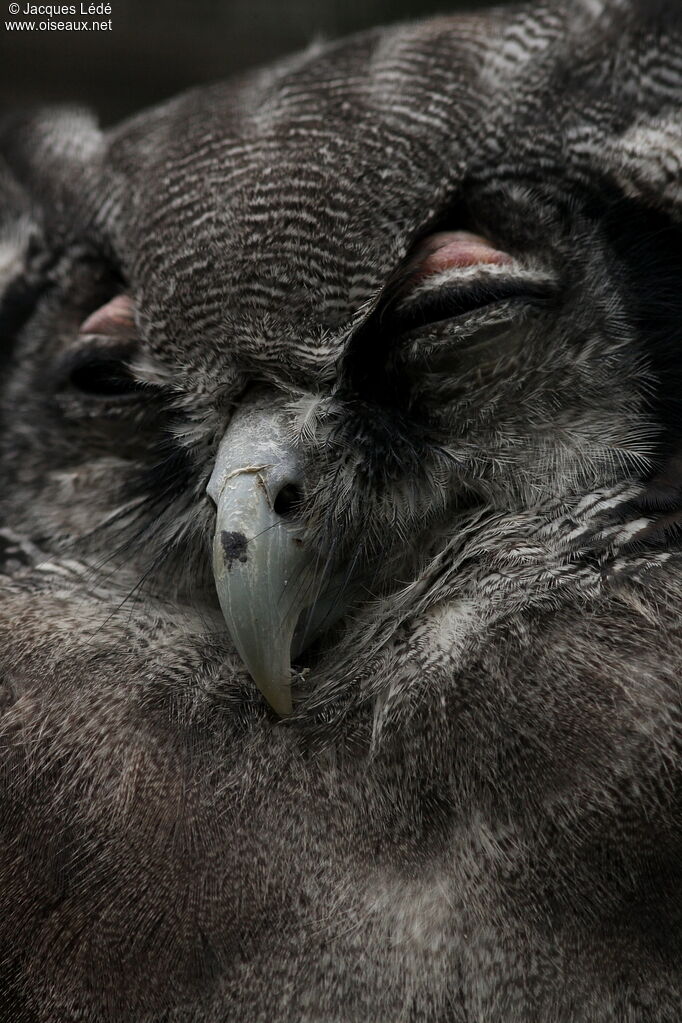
{"x":456,"y":291}
{"x":449,"y":299}
{"x":98,"y":367}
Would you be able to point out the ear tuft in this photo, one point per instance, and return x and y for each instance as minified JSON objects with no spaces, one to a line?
{"x":54,"y":154}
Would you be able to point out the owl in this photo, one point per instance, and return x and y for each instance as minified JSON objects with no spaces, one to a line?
{"x":341,"y":589}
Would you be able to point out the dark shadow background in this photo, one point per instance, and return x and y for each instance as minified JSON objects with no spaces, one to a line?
{"x":159,"y":47}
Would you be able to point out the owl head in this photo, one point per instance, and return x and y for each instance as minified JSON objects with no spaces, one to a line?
{"x":381,"y":338}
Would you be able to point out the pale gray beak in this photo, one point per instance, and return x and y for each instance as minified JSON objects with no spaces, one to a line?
{"x":266,"y":578}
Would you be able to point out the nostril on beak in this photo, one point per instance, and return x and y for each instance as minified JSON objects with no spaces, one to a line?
{"x":287,"y":501}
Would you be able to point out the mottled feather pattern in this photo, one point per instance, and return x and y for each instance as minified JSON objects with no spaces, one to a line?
{"x":473,"y":813}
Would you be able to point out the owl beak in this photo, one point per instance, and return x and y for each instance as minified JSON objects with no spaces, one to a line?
{"x":264,"y":575}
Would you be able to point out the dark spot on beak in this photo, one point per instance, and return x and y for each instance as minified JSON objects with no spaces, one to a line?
{"x":234,"y":548}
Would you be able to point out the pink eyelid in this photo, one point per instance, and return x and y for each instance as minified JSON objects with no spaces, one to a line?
{"x":450,"y":250}
{"x":116,"y":318}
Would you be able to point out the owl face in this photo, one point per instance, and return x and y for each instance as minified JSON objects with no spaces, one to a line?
{"x":296,"y":349}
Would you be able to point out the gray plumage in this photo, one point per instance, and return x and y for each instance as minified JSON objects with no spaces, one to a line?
{"x":473,"y":813}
